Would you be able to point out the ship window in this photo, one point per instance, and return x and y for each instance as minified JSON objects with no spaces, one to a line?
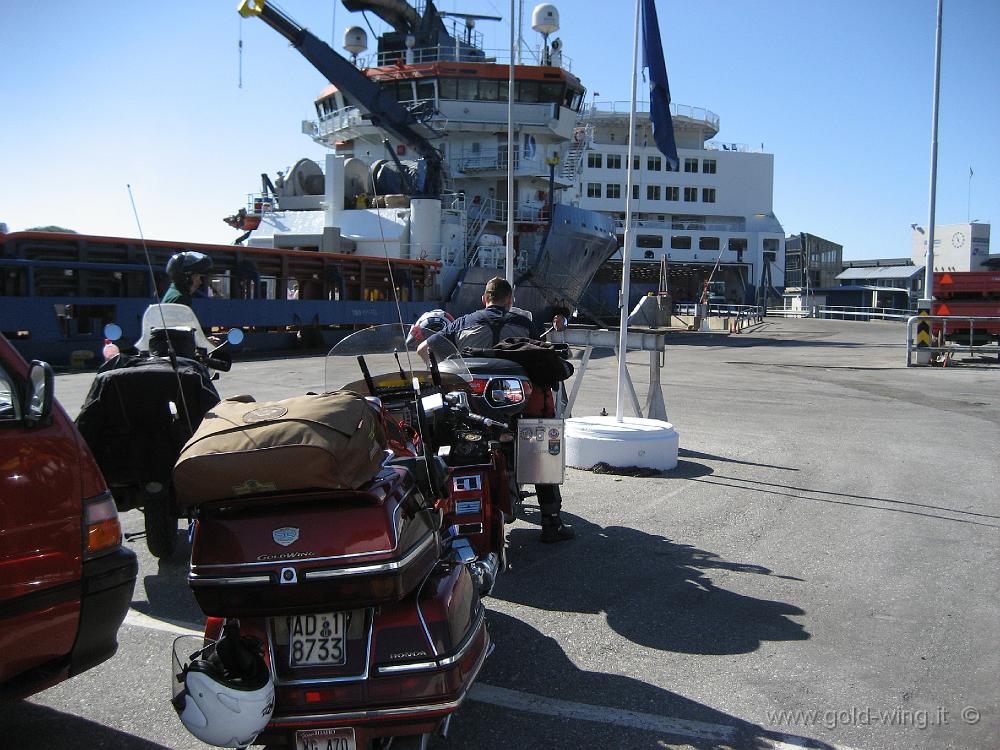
{"x":649,"y":240}
{"x":708,"y":243}
{"x":680,"y":242}
{"x":654,"y":164}
{"x":425,"y":89}
{"x":708,"y":166}
{"x":690,"y":165}
{"x":614,"y":161}
{"x":708,"y":195}
{"x":489,"y":90}
{"x":613,"y":190}
{"x":635,"y":163}
{"x":635,"y":192}
{"x":691,"y":194}
{"x":593,"y":160}
{"x":673,"y":193}
{"x":550,"y":92}
{"x":528,"y":91}
{"x":653,"y":192}
{"x":467,"y":89}
{"x":737,"y":244}
{"x":448,"y":88}
{"x":593,"y":190}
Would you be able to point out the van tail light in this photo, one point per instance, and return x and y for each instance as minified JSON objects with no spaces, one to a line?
{"x":101,"y":528}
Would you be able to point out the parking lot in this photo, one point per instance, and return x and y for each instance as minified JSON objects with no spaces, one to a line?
{"x":818,"y":571}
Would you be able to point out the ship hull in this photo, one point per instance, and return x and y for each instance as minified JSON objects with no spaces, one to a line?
{"x":577,"y":243}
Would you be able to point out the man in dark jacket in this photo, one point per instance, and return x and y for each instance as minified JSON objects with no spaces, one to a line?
{"x":484,"y":329}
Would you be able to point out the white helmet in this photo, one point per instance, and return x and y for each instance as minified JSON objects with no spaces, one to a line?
{"x":223,"y":692}
{"x":428,"y":324}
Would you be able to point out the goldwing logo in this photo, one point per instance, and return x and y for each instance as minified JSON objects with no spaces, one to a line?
{"x":285,"y":535}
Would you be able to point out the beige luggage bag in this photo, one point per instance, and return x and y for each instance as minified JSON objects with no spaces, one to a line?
{"x":319,"y":441}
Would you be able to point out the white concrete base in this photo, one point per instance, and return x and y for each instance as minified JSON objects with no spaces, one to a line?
{"x":647,"y":443}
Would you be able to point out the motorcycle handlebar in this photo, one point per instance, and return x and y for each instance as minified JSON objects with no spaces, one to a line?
{"x":482,"y":421}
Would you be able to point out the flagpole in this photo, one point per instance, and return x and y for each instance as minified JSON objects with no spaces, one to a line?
{"x":968,"y":216}
{"x":629,"y":239}
{"x":509,"y":265}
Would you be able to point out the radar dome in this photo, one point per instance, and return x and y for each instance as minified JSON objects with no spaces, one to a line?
{"x":355,"y":40}
{"x":545,"y":19}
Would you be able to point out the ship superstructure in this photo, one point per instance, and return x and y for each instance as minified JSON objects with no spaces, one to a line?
{"x":717,"y":207}
{"x":372,"y":197}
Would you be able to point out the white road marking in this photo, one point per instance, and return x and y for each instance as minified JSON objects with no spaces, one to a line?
{"x":538,"y":704}
{"x":177,"y":627}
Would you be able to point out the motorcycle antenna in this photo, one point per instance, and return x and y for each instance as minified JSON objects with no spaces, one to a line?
{"x":171,"y":352}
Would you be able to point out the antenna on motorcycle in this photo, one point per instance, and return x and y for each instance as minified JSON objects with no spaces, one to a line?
{"x":368,"y":376}
{"x":435,"y":372}
{"x":171,"y":352}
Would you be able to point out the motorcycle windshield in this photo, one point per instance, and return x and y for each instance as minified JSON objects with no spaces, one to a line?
{"x":169,"y":315}
{"x":390,"y":357}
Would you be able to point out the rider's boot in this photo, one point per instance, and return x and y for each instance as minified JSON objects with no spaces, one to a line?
{"x":550,"y":503}
{"x":554,"y":530}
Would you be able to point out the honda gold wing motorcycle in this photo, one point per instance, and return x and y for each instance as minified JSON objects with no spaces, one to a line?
{"x":342,"y":543}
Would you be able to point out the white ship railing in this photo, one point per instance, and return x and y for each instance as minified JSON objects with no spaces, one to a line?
{"x":495,"y":256}
{"x":450,"y":53}
{"x":624,"y":107}
{"x":740,"y":147}
{"x":846,"y":312}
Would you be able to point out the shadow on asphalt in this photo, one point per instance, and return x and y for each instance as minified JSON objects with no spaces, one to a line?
{"x":29,"y":725}
{"x":168,"y":596}
{"x":530,"y":662}
{"x":866,"y":502}
{"x":655,"y":592}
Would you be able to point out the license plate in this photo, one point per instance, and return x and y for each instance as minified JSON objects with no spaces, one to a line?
{"x":318,"y":640}
{"x":341,"y":738}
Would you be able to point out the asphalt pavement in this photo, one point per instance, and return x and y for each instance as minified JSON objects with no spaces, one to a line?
{"x":820,"y":570}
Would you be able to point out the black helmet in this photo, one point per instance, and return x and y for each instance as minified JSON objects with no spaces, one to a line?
{"x":182,"y":265}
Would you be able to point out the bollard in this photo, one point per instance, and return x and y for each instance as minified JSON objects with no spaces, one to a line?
{"x":923,"y":336}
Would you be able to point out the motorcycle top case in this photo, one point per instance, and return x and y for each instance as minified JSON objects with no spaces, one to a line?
{"x":243,"y":448}
{"x":315,"y":551}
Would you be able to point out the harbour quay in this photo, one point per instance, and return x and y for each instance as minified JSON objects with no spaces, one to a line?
{"x":818,"y":571}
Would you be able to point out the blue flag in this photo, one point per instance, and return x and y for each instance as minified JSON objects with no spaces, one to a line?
{"x":659,"y":88}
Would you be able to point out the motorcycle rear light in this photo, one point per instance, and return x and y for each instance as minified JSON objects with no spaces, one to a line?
{"x":102,"y":529}
{"x":314,"y":696}
{"x":478,"y":385}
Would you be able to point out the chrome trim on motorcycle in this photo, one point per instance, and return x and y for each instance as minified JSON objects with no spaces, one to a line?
{"x":395,"y":526}
{"x":297,"y":720}
{"x":388,"y":567}
{"x":443,"y":662}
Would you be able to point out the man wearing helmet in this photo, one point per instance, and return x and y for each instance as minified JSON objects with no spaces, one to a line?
{"x":484,"y":329}
{"x":185,"y":271}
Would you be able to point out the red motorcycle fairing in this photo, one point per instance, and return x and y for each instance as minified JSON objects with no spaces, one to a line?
{"x":409,"y":664}
{"x":479,"y":495}
{"x":272,"y":555}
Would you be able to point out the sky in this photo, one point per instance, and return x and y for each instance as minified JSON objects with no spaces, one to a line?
{"x":99,"y":96}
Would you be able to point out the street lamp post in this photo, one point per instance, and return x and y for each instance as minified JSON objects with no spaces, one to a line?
{"x":923,"y":354}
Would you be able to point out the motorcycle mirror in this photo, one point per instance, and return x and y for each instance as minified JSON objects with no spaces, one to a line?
{"x":459,"y":399}
{"x":113,"y":331}
{"x":235,"y":336}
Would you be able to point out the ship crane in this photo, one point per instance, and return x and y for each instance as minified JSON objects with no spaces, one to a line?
{"x":365,"y":94}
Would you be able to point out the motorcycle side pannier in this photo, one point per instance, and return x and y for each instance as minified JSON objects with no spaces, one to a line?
{"x":319,"y":441}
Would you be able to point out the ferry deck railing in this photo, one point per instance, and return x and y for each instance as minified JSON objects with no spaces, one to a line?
{"x":947,"y":348}
{"x":828,"y":312}
{"x":624,"y":107}
{"x":463,"y":54}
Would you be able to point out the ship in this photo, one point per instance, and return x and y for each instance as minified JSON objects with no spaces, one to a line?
{"x":408,"y":211}
{"x":418,"y":160}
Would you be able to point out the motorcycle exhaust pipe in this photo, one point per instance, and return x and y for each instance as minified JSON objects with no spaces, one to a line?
{"x":485,"y":573}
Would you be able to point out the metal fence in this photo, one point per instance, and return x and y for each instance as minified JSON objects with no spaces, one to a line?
{"x":944,"y":348}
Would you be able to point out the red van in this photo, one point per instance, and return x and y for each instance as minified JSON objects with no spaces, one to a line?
{"x":65,"y":580}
